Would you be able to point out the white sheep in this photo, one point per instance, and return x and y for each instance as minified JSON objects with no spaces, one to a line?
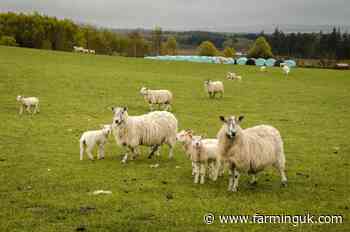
{"x":185,"y":138}
{"x":250,"y":150}
{"x":78,"y":49}
{"x":204,"y":154}
{"x":91,"y":51}
{"x":286,"y":69}
{"x":89,"y":139}
{"x":28,"y":102}
{"x":233,"y":76}
{"x":263,"y":69}
{"x":157,"y":97}
{"x":214,"y":87}
{"x":153,"y":129}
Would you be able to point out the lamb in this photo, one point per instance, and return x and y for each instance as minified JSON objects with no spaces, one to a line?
{"x":185,"y":137}
{"x":250,"y":150}
{"x":204,"y":154}
{"x":157,"y":97}
{"x":28,"y":103}
{"x":286,"y":69}
{"x":90,"y":138}
{"x":153,"y":129}
{"x":214,"y":87}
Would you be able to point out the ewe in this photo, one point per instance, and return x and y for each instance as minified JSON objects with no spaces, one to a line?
{"x":90,"y":138}
{"x":214,"y":87}
{"x":28,"y":102}
{"x":250,"y":150}
{"x":153,"y":129}
{"x":157,"y":97}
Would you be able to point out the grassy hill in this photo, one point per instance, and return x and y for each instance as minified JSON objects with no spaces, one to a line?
{"x":44,"y":186}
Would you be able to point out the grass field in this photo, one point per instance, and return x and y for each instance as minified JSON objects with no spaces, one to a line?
{"x":311,"y":108}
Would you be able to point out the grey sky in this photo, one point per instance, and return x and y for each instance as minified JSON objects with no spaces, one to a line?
{"x":190,"y":14}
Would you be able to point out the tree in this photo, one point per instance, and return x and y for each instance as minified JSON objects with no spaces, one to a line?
{"x":229,"y":52}
{"x":207,"y":48}
{"x":171,"y":46}
{"x":261,"y":48}
{"x":157,"y":40}
{"x":8,"y":41}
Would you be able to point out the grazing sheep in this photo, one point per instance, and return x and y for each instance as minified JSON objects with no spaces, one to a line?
{"x":92,"y":51}
{"x":78,"y":49}
{"x":153,"y":129}
{"x":214,"y":87}
{"x":185,"y":137}
{"x":90,"y":138}
{"x":286,"y":69}
{"x":28,"y":102}
{"x":263,"y":69}
{"x":233,"y":76}
{"x":250,"y":150}
{"x":157,"y":97}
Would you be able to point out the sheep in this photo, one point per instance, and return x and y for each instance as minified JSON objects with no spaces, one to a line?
{"x":90,"y":138}
{"x":91,"y":51}
{"x":204,"y":154}
{"x":263,"y":69}
{"x":157,"y":97}
{"x":286,"y":69}
{"x":28,"y":102}
{"x":153,"y":129}
{"x":78,"y":49}
{"x":185,"y":137}
{"x":233,"y":76}
{"x":250,"y":150}
{"x":213,"y":87}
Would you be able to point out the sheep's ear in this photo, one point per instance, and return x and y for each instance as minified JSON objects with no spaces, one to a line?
{"x":240,"y":119}
{"x":113,"y":108}
{"x":222,"y":118}
{"x":125,"y":108}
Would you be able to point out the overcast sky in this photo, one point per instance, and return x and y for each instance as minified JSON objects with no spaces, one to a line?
{"x":190,"y":14}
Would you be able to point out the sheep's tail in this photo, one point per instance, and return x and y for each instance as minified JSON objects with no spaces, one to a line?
{"x":82,"y":145}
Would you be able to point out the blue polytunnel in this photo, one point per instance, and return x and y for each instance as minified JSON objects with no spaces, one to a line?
{"x":242,"y":60}
{"x":260,"y":62}
{"x":270,"y":62}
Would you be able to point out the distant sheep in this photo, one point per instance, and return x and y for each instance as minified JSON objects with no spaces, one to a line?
{"x":233,"y":76}
{"x":286,"y":69}
{"x":250,"y":150}
{"x":28,"y":103}
{"x":91,"y":51}
{"x":157,"y":97}
{"x":89,"y":139}
{"x":153,"y":129}
{"x":78,"y":49}
{"x":214,"y":87}
{"x":263,"y":69}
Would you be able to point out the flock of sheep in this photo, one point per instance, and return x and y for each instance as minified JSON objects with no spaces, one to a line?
{"x":238,"y":150}
{"x":83,"y":50}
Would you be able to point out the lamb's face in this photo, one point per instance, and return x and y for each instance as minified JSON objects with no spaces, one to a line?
{"x":120,"y":115}
{"x":19,"y":98}
{"x":231,"y":125}
{"x":107,"y":129}
{"x":184,"y":136}
{"x":197,"y":142}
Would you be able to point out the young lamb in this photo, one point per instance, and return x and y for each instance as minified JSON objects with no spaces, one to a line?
{"x":214,"y":87}
{"x":203,"y":155}
{"x":28,"y":102}
{"x":185,"y":138}
{"x":153,"y":129}
{"x":286,"y":69}
{"x":250,"y":150}
{"x":157,"y":97}
{"x":90,"y":138}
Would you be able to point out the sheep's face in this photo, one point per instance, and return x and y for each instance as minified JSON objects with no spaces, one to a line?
{"x":206,"y":83}
{"x":184,"y":135}
{"x":120,"y":115}
{"x":197,"y":142}
{"x":19,"y":98}
{"x":231,"y":125}
{"x":143,"y":91}
{"x":107,"y":129}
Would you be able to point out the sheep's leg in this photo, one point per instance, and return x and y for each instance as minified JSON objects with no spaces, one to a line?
{"x":221,"y":169}
{"x":222,"y":94}
{"x":125,"y":158}
{"x":28,"y":109}
{"x":151,"y":107}
{"x":154,"y":149}
{"x":196,"y":172}
{"x":21,"y":109}
{"x":81,"y":150}
{"x":135,"y":152}
{"x":216,"y":169}
{"x":193,"y":168}
{"x":202,"y":172}
{"x":101,"y":151}
{"x":235,"y":182}
{"x":88,"y":151}
{"x":283,"y":176}
{"x":36,"y":109}
{"x":171,"y":150}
